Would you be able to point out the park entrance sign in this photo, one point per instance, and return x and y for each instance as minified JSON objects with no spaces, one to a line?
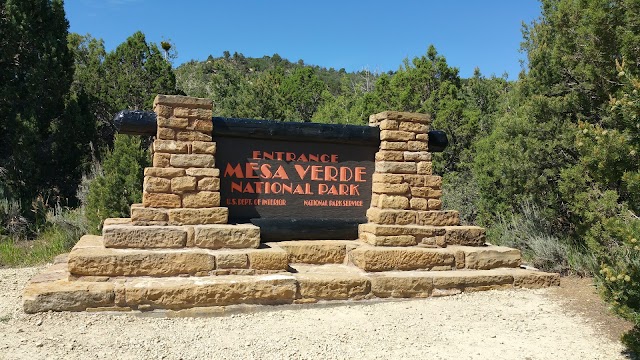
{"x":293,"y":183}
{"x":247,"y":212}
{"x":295,"y":180}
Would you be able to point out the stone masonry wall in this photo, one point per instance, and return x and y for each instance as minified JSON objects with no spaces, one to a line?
{"x":406,"y":195}
{"x":183,"y":186}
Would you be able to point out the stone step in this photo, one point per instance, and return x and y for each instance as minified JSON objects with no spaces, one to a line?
{"x":91,"y":258}
{"x":382,"y":258}
{"x":214,"y":236}
{"x":413,"y":217}
{"x":310,"y":283}
{"x":421,"y":235}
{"x":141,"y":215}
{"x":317,"y":251}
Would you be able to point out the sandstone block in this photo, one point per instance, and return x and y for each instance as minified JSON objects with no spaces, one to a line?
{"x":433,"y":181}
{"x":425,"y":167}
{"x":395,"y":167}
{"x":163,"y":172}
{"x":438,"y":218}
{"x":201,"y":113}
{"x":171,"y":146}
{"x":183,"y":183}
{"x":528,"y":279}
{"x":166,"y":133}
{"x":415,"y":180}
{"x":420,"y":191}
{"x":116,"y":221}
{"x":201,"y":216}
{"x":182,"y":101}
{"x":375,"y":198}
{"x":129,"y":236}
{"x":423,"y":137}
{"x":387,"y":155}
{"x":472,"y":280}
{"x":192,"y":135}
{"x":192,"y":160}
{"x":209,"y":184}
{"x":389,"y":217}
{"x":435,"y":193}
{"x":414,"y":127}
{"x":181,"y":112}
{"x":406,"y":217}
{"x":491,"y":257}
{"x":337,"y":287}
{"x":396,"y":240}
{"x":161,"y":160}
{"x":388,"y":125}
{"x":316,"y":252}
{"x":201,"y":199}
{"x":114,"y":262}
{"x":404,"y":116}
{"x":172,"y":122}
{"x":465,"y":235}
{"x":163,"y":111}
{"x":460,"y":260}
{"x":148,"y":214}
{"x":180,"y":293}
{"x":394,"y":145}
{"x":241,"y":236}
{"x":203,"y":147}
{"x":434,"y":204}
{"x":205,"y":126}
{"x":374,"y":258}
{"x":200,"y":172}
{"x":416,"y":156}
{"x":417,"y":145}
{"x":387,"y":178}
{"x":396,"y":135}
{"x":268,"y":259}
{"x":232,"y":260}
{"x":156,"y":185}
{"x":397,"y":284}
{"x":393,"y":202}
{"x":382,"y":188}
{"x":390,"y":230}
{"x":67,"y":296}
{"x":418,"y":204}
{"x":158,"y":200}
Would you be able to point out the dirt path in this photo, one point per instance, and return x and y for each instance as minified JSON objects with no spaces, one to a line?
{"x":518,"y":324}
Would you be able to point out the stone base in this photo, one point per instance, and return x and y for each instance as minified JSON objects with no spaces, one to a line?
{"x":183,"y":216}
{"x":377,"y":258}
{"x":56,"y":290}
{"x":216,"y":236}
{"x":421,"y":235}
{"x":91,"y":258}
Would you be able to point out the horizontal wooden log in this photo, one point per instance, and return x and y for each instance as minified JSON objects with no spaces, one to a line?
{"x":136,"y":122}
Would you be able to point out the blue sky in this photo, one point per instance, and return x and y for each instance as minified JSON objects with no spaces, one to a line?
{"x":353,"y":35}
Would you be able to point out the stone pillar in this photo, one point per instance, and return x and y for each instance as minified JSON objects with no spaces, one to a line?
{"x":405,"y":204}
{"x":183,"y":186}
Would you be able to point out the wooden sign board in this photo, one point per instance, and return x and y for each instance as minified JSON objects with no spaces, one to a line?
{"x":296,"y":180}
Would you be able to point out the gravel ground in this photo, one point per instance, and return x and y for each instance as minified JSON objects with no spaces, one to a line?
{"x":518,"y":324}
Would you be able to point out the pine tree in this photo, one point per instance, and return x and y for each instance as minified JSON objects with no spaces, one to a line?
{"x":120,"y":184}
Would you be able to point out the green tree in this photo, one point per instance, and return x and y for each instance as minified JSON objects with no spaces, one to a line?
{"x":40,"y":122}
{"x":120,"y":184}
{"x":302,"y":90}
{"x":89,"y":83}
{"x":267,"y":96}
{"x":570,"y":52}
{"x":135,"y":72}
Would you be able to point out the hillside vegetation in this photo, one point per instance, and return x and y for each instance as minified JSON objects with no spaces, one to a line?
{"x":549,"y":163}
